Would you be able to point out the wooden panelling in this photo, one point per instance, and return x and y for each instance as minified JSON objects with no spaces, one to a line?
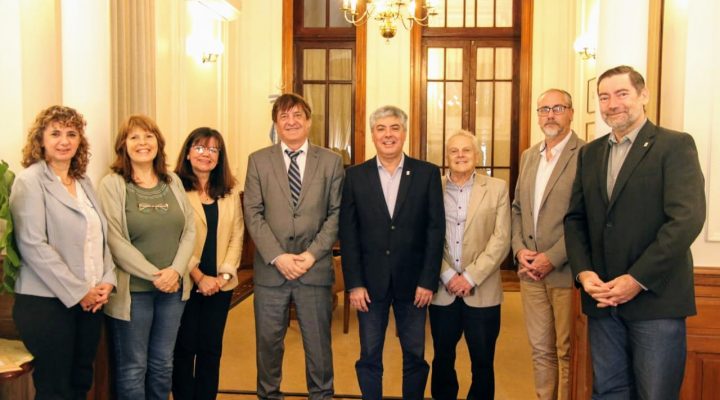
{"x":702,"y":367}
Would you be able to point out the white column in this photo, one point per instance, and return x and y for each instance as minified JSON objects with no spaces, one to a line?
{"x":86,"y":75}
{"x":622,"y":40}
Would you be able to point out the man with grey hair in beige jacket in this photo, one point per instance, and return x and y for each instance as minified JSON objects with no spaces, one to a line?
{"x":477,"y":240}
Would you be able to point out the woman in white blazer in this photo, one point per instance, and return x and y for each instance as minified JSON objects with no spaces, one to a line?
{"x":67,"y":272}
{"x":152,"y":234}
{"x":204,"y":170}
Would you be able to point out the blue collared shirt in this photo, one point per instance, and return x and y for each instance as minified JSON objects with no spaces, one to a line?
{"x":390,"y":183}
{"x":457,"y":200}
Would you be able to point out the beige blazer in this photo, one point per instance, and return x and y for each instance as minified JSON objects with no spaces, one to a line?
{"x":229,"y":234}
{"x":486,"y":242}
{"x":550,"y":235}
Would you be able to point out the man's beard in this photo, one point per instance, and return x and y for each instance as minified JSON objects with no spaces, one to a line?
{"x":551,"y":131}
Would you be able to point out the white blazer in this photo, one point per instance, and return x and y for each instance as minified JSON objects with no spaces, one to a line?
{"x":50,"y":233}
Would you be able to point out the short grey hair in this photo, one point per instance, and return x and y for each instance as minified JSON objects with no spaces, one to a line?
{"x":568,"y":97}
{"x":388,"y":111}
{"x":467,"y":134}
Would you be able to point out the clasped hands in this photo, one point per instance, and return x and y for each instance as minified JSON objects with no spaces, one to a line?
{"x":359,"y":298}
{"x":96,"y":297}
{"x":459,"y":286}
{"x":293,"y":266}
{"x":612,"y":293}
{"x":167,"y":280}
{"x":533,"y":265}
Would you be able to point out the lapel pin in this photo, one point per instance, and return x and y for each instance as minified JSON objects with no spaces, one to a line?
{"x":407,"y":173}
{"x":645,"y":145}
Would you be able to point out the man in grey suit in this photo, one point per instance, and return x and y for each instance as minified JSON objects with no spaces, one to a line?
{"x":542,"y":194}
{"x":292,"y":203}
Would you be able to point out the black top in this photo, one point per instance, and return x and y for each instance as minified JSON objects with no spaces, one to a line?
{"x":208,"y":260}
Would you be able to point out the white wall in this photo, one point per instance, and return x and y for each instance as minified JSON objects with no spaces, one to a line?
{"x":11,"y":95}
{"x":388,"y":76}
{"x":554,"y":62}
{"x":257,"y":60}
{"x":702,"y":114}
{"x":85,"y":79}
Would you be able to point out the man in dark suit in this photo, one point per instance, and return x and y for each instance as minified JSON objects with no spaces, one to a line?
{"x":392,"y":225}
{"x":292,"y":203}
{"x":638,"y":203}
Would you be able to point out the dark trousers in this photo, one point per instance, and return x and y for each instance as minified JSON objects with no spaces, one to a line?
{"x":410,"y":322}
{"x":481,"y":326}
{"x":198,"y":348}
{"x":62,"y":340}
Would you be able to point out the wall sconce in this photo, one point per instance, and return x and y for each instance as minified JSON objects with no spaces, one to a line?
{"x":205,"y":49}
{"x":388,"y":12}
{"x":212,"y":49}
{"x":585,"y":47}
{"x":209,"y":57}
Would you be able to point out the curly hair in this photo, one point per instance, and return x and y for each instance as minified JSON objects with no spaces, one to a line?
{"x":123,"y":165}
{"x":221,"y":181}
{"x":33,"y":151}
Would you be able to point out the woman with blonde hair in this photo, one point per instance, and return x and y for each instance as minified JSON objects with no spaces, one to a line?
{"x":67,"y":272}
{"x":205,"y":171}
{"x":152,"y":235}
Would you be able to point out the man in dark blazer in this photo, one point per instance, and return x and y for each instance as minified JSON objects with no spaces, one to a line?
{"x":638,"y":203}
{"x":392,"y":225}
{"x":292,"y":204}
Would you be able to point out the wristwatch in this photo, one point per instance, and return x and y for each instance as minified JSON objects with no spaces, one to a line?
{"x":226,"y":276}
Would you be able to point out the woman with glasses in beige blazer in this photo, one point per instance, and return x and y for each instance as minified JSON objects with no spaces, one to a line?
{"x":213,"y":193}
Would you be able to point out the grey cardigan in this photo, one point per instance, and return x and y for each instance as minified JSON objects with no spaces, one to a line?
{"x":50,"y":232}
{"x":129,"y":260}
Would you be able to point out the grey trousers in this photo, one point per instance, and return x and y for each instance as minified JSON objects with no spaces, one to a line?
{"x":314,"y":313}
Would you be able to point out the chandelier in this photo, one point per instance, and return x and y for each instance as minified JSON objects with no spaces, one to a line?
{"x":388,"y":12}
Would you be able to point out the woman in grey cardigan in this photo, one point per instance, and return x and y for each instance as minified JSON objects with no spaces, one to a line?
{"x":67,"y":272}
{"x":152,"y":235}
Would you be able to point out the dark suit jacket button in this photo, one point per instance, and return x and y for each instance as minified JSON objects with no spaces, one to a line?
{"x":392,"y":227}
{"x":387,"y":252}
{"x":609,"y":225}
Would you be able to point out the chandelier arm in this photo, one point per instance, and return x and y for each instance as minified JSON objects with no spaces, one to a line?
{"x":356,"y":20}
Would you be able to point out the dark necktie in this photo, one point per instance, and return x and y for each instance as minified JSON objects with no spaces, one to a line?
{"x":294,"y":175}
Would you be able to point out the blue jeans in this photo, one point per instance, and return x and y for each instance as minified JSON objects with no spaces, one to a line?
{"x":410,"y":322}
{"x":143,"y":346}
{"x":637,"y":359}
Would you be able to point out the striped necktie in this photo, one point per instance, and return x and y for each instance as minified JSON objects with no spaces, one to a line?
{"x":294,"y":175}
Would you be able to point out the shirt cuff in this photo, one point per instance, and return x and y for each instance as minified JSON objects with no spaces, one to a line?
{"x":638,"y":282}
{"x":447,"y":275}
{"x":467,"y":276}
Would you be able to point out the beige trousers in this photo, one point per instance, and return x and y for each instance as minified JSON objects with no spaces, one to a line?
{"x":548,"y":316}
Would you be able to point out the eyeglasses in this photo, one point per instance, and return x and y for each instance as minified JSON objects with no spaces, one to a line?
{"x":556,"y":109}
{"x":202,"y":149}
{"x":145,"y":208}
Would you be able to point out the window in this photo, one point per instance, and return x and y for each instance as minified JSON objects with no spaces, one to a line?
{"x":470,"y":57}
{"x":324,"y":60}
